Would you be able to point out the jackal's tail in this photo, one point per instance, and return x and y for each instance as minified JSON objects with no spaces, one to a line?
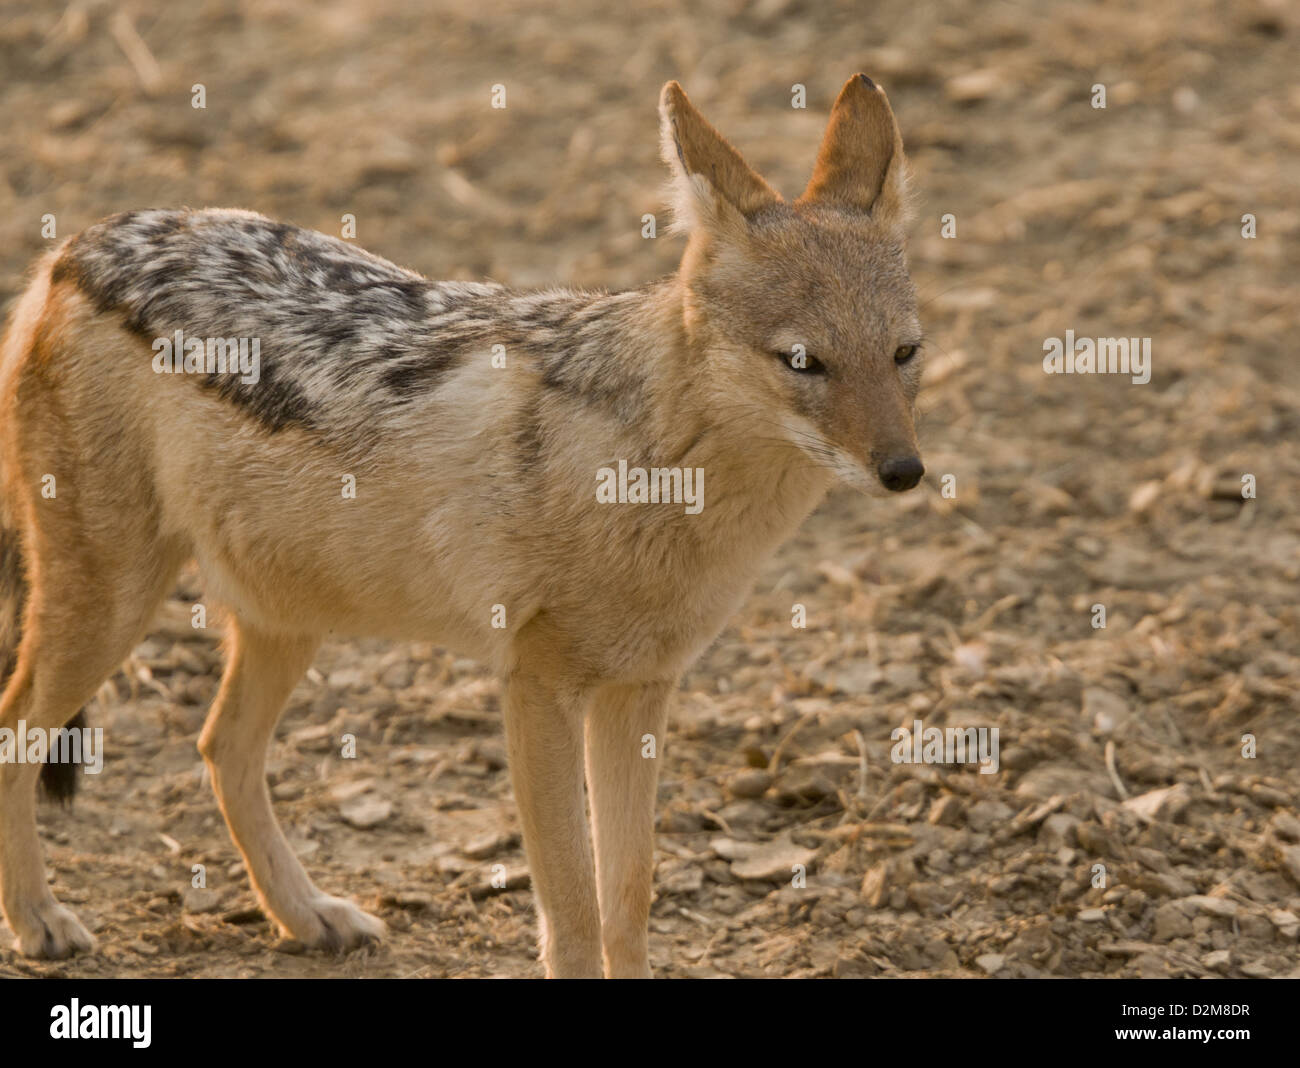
{"x":58,"y":779}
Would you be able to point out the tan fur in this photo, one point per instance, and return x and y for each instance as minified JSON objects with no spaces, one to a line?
{"x":152,"y":470}
{"x":707,"y":156}
{"x":860,"y":163}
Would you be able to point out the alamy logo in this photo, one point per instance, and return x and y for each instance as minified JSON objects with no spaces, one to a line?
{"x":64,"y":745}
{"x":76,"y":1020}
{"x":1099,"y":356}
{"x":947,"y":745}
{"x":656,"y":485}
{"x":209,"y":356}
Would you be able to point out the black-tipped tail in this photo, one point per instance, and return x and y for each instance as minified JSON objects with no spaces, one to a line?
{"x":59,"y":780}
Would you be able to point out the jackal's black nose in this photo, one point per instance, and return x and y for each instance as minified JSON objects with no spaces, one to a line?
{"x":900,"y":473}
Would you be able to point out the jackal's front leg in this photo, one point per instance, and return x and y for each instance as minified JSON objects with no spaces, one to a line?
{"x":544,"y":743}
{"x":625,"y":729}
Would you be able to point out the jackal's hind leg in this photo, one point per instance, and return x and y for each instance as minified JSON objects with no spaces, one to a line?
{"x":87,"y":612}
{"x":262,"y":672}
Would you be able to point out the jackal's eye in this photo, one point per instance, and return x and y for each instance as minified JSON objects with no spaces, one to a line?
{"x":800,"y":361}
{"x":904,"y":353}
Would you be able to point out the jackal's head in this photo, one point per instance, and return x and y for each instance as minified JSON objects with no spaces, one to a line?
{"x":802,"y":314}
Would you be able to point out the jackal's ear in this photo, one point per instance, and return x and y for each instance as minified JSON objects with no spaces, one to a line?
{"x":712,"y":185}
{"x":860,"y":165}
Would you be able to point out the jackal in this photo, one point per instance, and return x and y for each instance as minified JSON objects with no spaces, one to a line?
{"x":783,"y":355}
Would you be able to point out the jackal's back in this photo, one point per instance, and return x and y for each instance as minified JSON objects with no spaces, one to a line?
{"x":332,"y":320}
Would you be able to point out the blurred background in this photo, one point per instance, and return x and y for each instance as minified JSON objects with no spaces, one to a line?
{"x":1122,"y":745}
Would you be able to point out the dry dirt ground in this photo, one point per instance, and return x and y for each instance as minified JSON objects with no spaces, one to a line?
{"x":966,"y":610}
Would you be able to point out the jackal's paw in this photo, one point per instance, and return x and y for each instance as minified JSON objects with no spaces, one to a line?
{"x":51,"y":932}
{"x":330,"y":923}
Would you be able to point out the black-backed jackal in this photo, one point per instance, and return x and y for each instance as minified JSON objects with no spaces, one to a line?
{"x":780,"y":357}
